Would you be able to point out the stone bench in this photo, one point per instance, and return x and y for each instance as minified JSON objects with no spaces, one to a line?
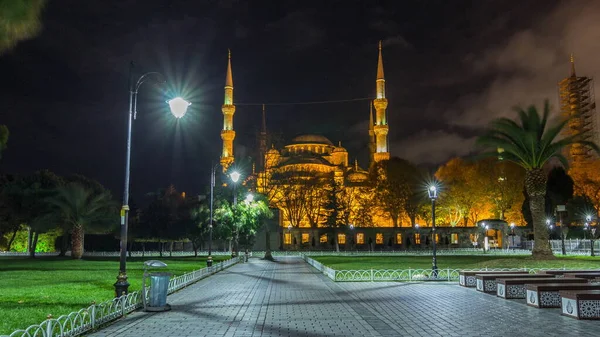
{"x":548,"y":295}
{"x":487,"y":282}
{"x":592,"y":276}
{"x":581,"y":304}
{"x":467,"y":278}
{"x":516,"y":287}
{"x":560,"y":273}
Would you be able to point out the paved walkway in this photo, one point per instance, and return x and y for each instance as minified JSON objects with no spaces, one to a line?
{"x":290,"y":298}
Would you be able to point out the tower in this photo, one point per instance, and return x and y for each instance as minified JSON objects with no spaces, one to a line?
{"x":577,"y":103}
{"x":372,"y":146}
{"x":262,"y":141}
{"x":380,"y":129}
{"x":228,"y":109}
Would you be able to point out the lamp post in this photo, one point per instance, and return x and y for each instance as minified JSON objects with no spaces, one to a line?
{"x":512,"y":229}
{"x":432,"y":191}
{"x":592,"y":230}
{"x":178,"y":109}
{"x":209,"y":260}
{"x":235,"y":177}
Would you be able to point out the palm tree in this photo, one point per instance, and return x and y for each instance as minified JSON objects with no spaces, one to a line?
{"x":531,"y":144}
{"x":79,"y":210}
{"x":19,"y":20}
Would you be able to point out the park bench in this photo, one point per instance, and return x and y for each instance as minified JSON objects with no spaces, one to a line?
{"x":467,"y":278}
{"x":581,"y":304}
{"x":561,"y":273}
{"x":516,"y":287}
{"x":487,"y":282}
{"x":548,"y":295}
{"x":592,"y":276}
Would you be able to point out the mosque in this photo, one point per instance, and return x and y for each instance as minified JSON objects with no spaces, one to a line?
{"x":299,"y":179}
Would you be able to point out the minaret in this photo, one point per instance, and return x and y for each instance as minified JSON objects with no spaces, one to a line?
{"x":228,"y":108}
{"x":381,"y":126}
{"x":372,"y":147}
{"x":262,"y":141}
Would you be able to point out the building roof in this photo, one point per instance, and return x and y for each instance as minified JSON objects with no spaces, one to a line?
{"x":311,"y":139}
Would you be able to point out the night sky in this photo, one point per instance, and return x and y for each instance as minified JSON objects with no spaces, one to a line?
{"x":450,"y":66}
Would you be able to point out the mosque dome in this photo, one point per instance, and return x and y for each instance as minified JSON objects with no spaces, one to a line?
{"x":311,"y":139}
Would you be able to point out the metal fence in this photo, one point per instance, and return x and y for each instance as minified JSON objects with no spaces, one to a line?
{"x":572,"y":246}
{"x":443,"y":274}
{"x":84,"y":320}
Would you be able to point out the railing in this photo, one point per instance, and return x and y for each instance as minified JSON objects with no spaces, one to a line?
{"x":443,"y":274}
{"x":84,"y":320}
{"x":572,"y":246}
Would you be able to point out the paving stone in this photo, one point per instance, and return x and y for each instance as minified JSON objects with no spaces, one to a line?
{"x":290,"y":298}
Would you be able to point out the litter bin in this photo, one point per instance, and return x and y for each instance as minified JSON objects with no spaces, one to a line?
{"x":159,"y":286}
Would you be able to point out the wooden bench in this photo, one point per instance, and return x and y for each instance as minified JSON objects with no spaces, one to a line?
{"x":581,"y":304}
{"x":487,"y":282}
{"x":467,"y":278}
{"x":592,"y":276}
{"x":516,"y":287}
{"x":548,"y":295}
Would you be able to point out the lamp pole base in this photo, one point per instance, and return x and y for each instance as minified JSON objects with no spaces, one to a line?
{"x":209,"y":261}
{"x":121,"y":286}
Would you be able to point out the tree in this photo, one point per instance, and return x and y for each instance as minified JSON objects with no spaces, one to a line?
{"x":198,"y":225}
{"x":20,"y":21}
{"x":396,"y":183}
{"x":559,"y":190}
{"x":82,"y":210}
{"x":531,"y":144}
{"x":3,"y":138}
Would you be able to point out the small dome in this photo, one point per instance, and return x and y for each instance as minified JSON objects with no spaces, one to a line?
{"x":272,"y":151}
{"x":311,"y":139}
{"x":339,"y":149}
{"x":357,"y":176}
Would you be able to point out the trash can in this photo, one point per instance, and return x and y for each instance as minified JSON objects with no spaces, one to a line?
{"x":159,"y":286}
{"x":155,"y":298}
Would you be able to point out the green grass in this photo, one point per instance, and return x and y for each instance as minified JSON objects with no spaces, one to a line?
{"x":30,"y":289}
{"x":454,"y":262}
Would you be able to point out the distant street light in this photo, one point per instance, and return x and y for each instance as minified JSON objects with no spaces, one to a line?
{"x":432,"y":191}
{"x":176,"y":105}
{"x":512,"y":229}
{"x":235,"y":177}
{"x":209,"y":259}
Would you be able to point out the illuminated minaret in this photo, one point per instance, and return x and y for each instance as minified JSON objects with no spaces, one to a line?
{"x":262,"y":141}
{"x":228,"y":108}
{"x":381,"y":126}
{"x":372,"y":146}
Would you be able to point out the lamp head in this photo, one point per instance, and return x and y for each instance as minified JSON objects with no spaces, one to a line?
{"x":351,"y":226}
{"x":432,"y":191}
{"x":250,"y":198}
{"x":588,"y":218}
{"x":178,"y":106}
{"x":548,"y":222}
{"x":235,"y":176}
{"x":289,"y":227}
{"x":512,"y":225}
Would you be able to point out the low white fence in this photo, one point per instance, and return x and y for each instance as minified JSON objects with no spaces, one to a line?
{"x":84,"y":320}
{"x":443,"y":274}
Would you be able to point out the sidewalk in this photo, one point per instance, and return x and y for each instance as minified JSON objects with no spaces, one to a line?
{"x":290,"y":298}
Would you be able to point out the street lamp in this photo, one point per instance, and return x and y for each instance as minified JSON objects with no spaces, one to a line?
{"x":178,"y":108}
{"x":512,"y":229}
{"x":235,"y":177}
{"x":432,"y":191}
{"x":209,"y":260}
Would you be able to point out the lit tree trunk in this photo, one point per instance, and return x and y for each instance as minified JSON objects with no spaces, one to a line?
{"x":535,"y":184}
{"x":12,"y":239}
{"x":77,"y":236}
{"x":33,"y":245}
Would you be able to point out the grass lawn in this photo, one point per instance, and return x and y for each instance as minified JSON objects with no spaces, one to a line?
{"x":454,"y":262}
{"x":30,"y":289}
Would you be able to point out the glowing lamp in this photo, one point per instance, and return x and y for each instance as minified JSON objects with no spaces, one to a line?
{"x":235,"y":176}
{"x":250,"y":198}
{"x":351,"y":226}
{"x":432,"y":191}
{"x":512,"y":225}
{"x":178,"y":106}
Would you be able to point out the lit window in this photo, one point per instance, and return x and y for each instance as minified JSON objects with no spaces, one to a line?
{"x":418,"y":239}
{"x":287,"y":238}
{"x":454,"y":238}
{"x":437,"y":238}
{"x":360,"y":238}
{"x":305,"y":237}
{"x":323,"y":238}
{"x":342,"y":239}
{"x":399,"y":238}
{"x":379,"y":238}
